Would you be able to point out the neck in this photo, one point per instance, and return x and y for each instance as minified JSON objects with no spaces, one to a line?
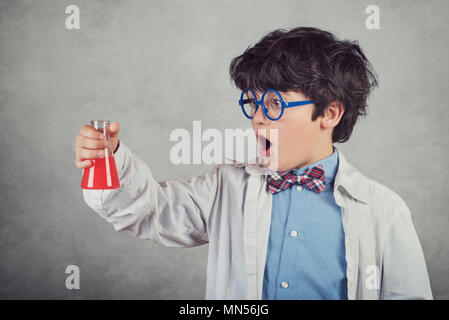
{"x":320,"y":154}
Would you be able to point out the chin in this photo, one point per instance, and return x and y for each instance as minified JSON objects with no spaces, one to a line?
{"x":279,"y":166}
{"x":289,"y":165}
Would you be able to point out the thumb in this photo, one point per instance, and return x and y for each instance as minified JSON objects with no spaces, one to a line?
{"x":114,"y":128}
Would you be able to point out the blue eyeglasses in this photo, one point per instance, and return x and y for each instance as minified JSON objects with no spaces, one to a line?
{"x":271,"y":101}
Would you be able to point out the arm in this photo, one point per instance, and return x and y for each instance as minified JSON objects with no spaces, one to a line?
{"x":404,"y":272}
{"x":172,"y":213}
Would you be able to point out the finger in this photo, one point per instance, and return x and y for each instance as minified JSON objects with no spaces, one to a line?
{"x":89,"y":143}
{"x":114,"y":128}
{"x":90,"y":132}
{"x":86,"y":154}
{"x":83,"y":164}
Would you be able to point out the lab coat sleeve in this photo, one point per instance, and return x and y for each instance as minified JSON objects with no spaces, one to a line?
{"x":404,"y":272}
{"x":172,"y":213}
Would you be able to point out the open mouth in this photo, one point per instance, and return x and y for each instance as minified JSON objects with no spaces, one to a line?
{"x":265,"y":145}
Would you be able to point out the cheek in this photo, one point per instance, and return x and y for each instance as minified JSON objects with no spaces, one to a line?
{"x":297,"y":131}
{"x":296,"y":138}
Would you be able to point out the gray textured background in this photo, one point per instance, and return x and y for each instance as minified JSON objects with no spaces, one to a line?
{"x":157,"y":65}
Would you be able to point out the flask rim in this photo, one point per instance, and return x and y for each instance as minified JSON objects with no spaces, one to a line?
{"x":99,"y":124}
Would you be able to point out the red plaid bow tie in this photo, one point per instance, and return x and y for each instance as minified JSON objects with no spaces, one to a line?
{"x":313,"y":179}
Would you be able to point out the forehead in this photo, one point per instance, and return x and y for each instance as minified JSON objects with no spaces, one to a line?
{"x":285,"y":94}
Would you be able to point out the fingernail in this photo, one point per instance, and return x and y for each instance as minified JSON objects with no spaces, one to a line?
{"x":100,"y":153}
{"x":101,"y":136}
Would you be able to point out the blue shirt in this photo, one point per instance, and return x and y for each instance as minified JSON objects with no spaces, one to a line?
{"x":306,"y":246}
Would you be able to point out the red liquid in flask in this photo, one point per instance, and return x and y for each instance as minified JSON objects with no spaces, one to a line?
{"x":102,"y":175}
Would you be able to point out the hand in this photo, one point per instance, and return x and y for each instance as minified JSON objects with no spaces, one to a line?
{"x":90,"y":144}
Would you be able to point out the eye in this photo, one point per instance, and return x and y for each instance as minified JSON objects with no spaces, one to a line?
{"x":251,"y":102}
{"x":248,"y":101}
{"x":276,"y":103}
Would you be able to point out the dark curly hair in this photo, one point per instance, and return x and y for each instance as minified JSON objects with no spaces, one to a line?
{"x":315,"y":63}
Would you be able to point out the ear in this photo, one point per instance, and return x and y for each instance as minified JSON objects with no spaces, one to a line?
{"x":332,"y":114}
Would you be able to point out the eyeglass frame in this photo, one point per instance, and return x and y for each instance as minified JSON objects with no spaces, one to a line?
{"x":264,"y":108}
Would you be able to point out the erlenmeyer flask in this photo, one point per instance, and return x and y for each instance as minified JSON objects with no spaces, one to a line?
{"x":103,"y":173}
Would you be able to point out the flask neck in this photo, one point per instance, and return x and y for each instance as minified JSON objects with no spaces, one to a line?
{"x":103,"y":127}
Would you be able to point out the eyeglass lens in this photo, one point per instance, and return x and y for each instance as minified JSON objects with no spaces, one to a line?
{"x":272,"y":101}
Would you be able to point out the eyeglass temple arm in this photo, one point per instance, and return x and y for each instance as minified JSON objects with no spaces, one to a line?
{"x":298,"y":103}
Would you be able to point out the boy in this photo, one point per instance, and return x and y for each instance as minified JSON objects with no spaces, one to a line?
{"x":316,"y":228}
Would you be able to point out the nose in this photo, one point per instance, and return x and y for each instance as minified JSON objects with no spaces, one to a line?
{"x":260,"y":118}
